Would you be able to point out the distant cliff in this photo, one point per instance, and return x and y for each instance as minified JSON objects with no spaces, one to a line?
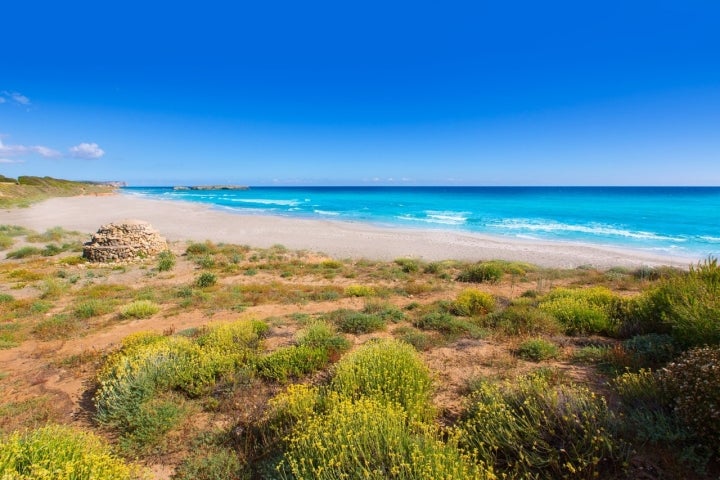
{"x":24,"y":190}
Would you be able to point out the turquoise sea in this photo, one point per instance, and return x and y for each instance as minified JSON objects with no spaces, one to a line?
{"x":682,"y":221}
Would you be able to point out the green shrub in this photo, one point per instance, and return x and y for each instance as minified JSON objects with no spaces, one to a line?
{"x":206,"y":279}
{"x":582,"y":311}
{"x":471,"y":302}
{"x":481,"y":272}
{"x":447,"y":324}
{"x":408,"y":265}
{"x":200,"y":248}
{"x":14,"y":230}
{"x":389,"y":371}
{"x":693,"y":381}
{"x":689,"y":305}
{"x":294,"y":361}
{"x":54,"y":234}
{"x":136,"y":384}
{"x":24,"y":252}
{"x":524,"y":319}
{"x":320,"y":334}
{"x":60,"y":453}
{"x":537,"y":349}
{"x":9,"y":335}
{"x":53,"y":288}
{"x":351,"y":321}
{"x":50,"y":250}
{"x":73,"y":260}
{"x":609,"y":359}
{"x":139,"y":309}
{"x":529,"y":428}
{"x":649,"y":417}
{"x":6,"y":241}
{"x":652,"y":350}
{"x":92,"y":308}
{"x":331,"y":264}
{"x":434,"y":268}
{"x":367,"y":438}
{"x":421,"y":341}
{"x":384,"y":310}
{"x":217,"y":464}
{"x":205,"y":261}
{"x":359,"y":291}
{"x":642,"y":389}
{"x":57,"y":326}
{"x":166,"y":261}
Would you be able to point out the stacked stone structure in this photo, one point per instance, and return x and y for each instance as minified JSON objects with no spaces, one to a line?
{"x":125,"y":240}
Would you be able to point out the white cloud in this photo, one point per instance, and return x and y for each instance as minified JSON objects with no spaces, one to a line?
{"x":88,"y":151}
{"x":16,"y":97}
{"x":10,"y":160}
{"x":17,"y":150}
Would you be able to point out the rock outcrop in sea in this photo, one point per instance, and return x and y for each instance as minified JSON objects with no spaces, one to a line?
{"x":124,"y":240}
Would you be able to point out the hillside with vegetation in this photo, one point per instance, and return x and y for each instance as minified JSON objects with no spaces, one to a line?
{"x":25,"y":190}
{"x":217,"y":361}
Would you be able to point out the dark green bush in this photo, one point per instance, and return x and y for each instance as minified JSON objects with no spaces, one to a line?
{"x":385,"y":310}
{"x":648,"y":412}
{"x":166,"y":261}
{"x":206,"y":279}
{"x":537,"y":349}
{"x":524,"y":319}
{"x":24,"y":252}
{"x":50,"y":250}
{"x":652,"y":350}
{"x":445,"y":323}
{"x":408,"y":265}
{"x":420,"y":340}
{"x":481,"y":272}
{"x":294,"y":361}
{"x":351,"y":321}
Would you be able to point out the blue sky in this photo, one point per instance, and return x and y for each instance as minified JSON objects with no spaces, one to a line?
{"x":362,"y":93}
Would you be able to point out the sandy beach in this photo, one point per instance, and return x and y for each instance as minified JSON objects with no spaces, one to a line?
{"x":188,"y":221}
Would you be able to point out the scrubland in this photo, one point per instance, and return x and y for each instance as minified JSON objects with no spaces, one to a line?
{"x":217,"y":361}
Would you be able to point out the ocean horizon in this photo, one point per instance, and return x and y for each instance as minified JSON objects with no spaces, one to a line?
{"x":677,"y":221}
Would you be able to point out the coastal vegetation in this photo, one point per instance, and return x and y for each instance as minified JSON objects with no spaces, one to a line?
{"x":25,"y":190}
{"x":216,"y":361}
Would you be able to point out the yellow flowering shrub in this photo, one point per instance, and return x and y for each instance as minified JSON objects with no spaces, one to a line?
{"x":472,"y":301}
{"x":366,"y":438}
{"x":148,"y":364}
{"x":582,"y":311}
{"x":388,"y":371}
{"x":56,"y":452}
{"x":532,"y":429}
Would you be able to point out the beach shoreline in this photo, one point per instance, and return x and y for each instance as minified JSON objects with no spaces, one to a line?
{"x":177,"y":220}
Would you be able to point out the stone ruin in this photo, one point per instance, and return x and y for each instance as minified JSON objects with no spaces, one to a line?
{"x":125,"y":240}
